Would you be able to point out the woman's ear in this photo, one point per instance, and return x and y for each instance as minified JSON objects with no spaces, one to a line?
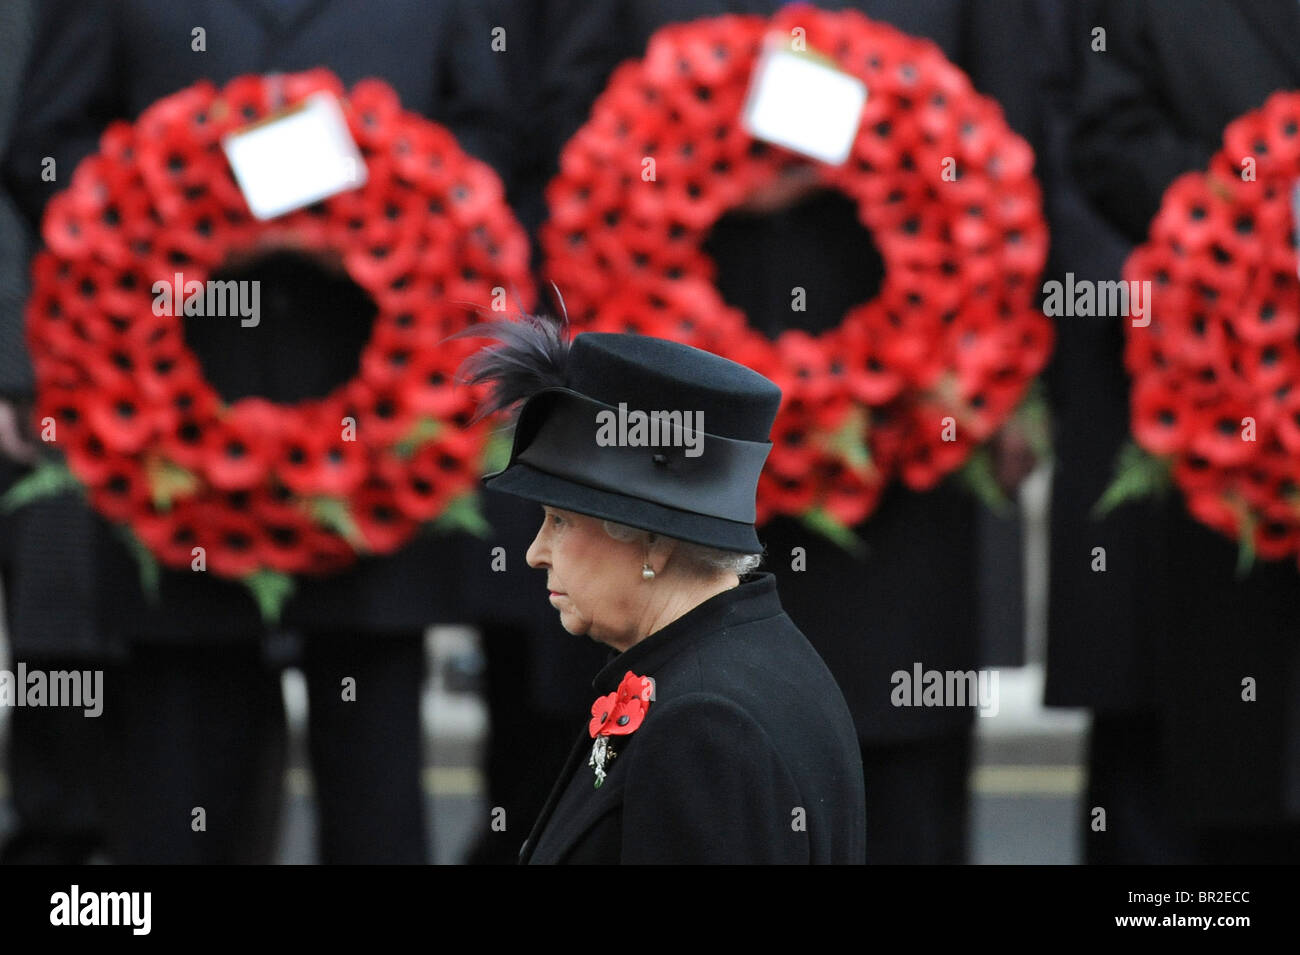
{"x":664,"y":546}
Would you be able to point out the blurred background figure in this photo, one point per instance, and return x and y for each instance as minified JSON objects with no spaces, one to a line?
{"x":915,"y":596}
{"x":47,"y":609}
{"x":1158,"y":644}
{"x":196,"y":709}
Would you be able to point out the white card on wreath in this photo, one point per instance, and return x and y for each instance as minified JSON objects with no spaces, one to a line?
{"x":802,"y":102}
{"x":295,"y":158}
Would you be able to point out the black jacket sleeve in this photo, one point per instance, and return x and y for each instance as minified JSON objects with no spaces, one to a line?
{"x":68,"y":96}
{"x":63,"y":104}
{"x":15,"y":369}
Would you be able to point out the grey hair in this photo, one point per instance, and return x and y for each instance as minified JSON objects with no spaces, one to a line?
{"x":702,"y":558}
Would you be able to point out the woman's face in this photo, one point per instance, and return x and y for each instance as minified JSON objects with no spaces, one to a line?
{"x":595,"y":580}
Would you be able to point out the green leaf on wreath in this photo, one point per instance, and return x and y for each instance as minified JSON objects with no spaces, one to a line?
{"x":168,"y":481}
{"x":333,"y":513}
{"x":1032,"y":418}
{"x":463,"y":513}
{"x":1245,"y":538}
{"x":829,"y":526}
{"x":1219,"y":188}
{"x":271,"y":590}
{"x":49,"y":478}
{"x":849,"y":441}
{"x":1138,"y":474}
{"x":977,"y":474}
{"x":496,"y":455}
{"x":423,"y":431}
{"x":146,"y":563}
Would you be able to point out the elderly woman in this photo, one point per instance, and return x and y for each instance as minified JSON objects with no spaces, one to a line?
{"x":717,"y":733}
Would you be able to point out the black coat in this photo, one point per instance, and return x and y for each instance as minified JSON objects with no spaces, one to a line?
{"x":1168,"y":628}
{"x":97,"y":60}
{"x":913,"y":598}
{"x":747,"y":753}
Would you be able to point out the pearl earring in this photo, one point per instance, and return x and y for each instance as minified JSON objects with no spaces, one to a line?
{"x":647,"y":572}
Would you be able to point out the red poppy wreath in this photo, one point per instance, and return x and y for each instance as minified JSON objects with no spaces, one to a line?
{"x":909,"y":383}
{"x":260,"y":491}
{"x":1215,"y":362}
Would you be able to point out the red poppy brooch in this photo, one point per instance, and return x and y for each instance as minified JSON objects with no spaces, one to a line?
{"x":617,"y":714}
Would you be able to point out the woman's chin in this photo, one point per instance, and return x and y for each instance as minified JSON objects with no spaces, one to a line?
{"x":575,"y":626}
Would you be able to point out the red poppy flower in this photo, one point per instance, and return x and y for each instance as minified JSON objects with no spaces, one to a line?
{"x":122,"y":493}
{"x":851,"y":495}
{"x":792,"y":441}
{"x":88,"y":457}
{"x":120,"y":418}
{"x":1269,"y":315}
{"x":418,"y":486}
{"x":1288,"y":422}
{"x":324,"y":458}
{"x":1277,"y":533}
{"x":287,"y":532}
{"x":787,"y":494}
{"x":239,"y":447}
{"x":1160,"y":418}
{"x":382,"y":524}
{"x":1212,"y":509}
{"x":233,"y":543}
{"x":622,"y":712}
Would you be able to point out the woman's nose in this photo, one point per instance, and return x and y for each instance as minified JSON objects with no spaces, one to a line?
{"x":534,"y":556}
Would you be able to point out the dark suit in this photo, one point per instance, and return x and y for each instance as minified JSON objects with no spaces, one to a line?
{"x":919,"y":545}
{"x":53,"y":822}
{"x":94,"y":61}
{"x":746,"y":755}
{"x":1158,"y":644}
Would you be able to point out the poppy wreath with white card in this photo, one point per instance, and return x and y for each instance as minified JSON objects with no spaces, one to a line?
{"x":259,"y":491}
{"x":1213,"y":340}
{"x":908,"y":384}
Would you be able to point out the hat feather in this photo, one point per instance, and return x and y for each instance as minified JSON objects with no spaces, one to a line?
{"x":533,"y":355}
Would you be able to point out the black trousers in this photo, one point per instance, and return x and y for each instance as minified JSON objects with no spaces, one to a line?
{"x":59,"y":763}
{"x":918,"y":797}
{"x":1126,"y":777}
{"x":204,"y":729}
{"x":527,"y":742}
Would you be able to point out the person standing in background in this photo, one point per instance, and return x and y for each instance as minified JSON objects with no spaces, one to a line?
{"x":47,"y":617}
{"x":1158,"y":644}
{"x":196,"y":710}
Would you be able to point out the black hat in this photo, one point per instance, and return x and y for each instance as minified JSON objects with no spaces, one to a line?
{"x":643,"y":431}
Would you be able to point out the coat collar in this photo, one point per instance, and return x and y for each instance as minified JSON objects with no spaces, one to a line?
{"x":283,"y":16}
{"x":755,"y":599}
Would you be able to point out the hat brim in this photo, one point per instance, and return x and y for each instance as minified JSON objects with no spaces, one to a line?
{"x":527,"y":482}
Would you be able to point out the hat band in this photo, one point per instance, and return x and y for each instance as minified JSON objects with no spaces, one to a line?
{"x":719,"y":480}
